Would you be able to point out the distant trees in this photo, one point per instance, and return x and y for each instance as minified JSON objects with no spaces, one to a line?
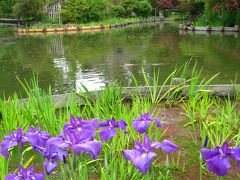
{"x":95,"y":10}
{"x":76,"y":10}
{"x":167,"y":4}
{"x":28,"y":10}
{"x":84,"y":10}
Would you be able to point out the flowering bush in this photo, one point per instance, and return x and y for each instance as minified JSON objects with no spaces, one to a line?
{"x":225,"y":13}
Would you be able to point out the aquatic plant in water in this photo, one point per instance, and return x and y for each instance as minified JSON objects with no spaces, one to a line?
{"x":217,"y":159}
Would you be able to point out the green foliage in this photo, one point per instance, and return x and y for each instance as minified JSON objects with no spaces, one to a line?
{"x":222,"y":13}
{"x":197,"y":8}
{"x":46,"y":19}
{"x":28,"y":10}
{"x":130,"y":6}
{"x":84,"y":10}
{"x":6,"y":8}
{"x":119,"y":11}
{"x":238,"y":17}
{"x":144,"y":9}
{"x":194,"y":9}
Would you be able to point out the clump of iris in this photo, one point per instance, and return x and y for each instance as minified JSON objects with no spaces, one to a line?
{"x":79,"y":136}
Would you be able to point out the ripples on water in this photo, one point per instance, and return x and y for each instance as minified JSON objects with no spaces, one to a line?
{"x":67,"y":61}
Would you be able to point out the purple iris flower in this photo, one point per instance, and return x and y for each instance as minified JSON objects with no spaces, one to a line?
{"x":81,"y":133}
{"x":36,"y":137}
{"x":141,"y":125}
{"x":142,"y":155}
{"x":15,"y":138}
{"x":80,"y":129}
{"x":216,"y":159}
{"x":55,"y":150}
{"x":25,"y":174}
{"x":109,"y":128}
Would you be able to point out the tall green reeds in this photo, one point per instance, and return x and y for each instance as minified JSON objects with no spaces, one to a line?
{"x":207,"y":116}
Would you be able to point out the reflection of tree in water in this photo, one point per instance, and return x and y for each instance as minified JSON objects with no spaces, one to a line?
{"x":215,"y":53}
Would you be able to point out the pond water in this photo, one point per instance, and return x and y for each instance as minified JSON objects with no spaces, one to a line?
{"x":68,"y":60}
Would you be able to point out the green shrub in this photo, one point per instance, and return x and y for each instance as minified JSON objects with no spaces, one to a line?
{"x":130,"y":6}
{"x":238,"y":17}
{"x":194,"y":9}
{"x":197,"y":8}
{"x":119,"y":11}
{"x":144,"y":9}
{"x":28,"y":10}
{"x":83,"y":11}
{"x":6,"y":8}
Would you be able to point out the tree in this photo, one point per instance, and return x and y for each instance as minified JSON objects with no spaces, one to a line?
{"x":144,"y":9}
{"x":130,"y":6}
{"x":28,"y":10}
{"x":167,"y":4}
{"x":84,"y":10}
{"x":6,"y":8}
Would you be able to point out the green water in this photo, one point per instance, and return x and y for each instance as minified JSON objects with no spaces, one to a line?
{"x":66,"y":61}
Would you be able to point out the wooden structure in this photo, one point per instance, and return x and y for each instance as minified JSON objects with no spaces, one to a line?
{"x":209,"y":28}
{"x":10,"y":22}
{"x":64,"y":100}
{"x":53,"y":11}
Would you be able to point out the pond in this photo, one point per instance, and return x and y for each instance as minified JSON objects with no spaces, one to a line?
{"x":65,"y":61}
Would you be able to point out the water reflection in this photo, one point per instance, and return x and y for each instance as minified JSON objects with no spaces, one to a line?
{"x":68,"y":60}
{"x":55,"y":47}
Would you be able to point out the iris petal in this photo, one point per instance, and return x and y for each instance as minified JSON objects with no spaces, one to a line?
{"x":50,"y":165}
{"x":92,"y":147}
{"x":156,"y":145}
{"x":107,"y":133}
{"x":122,"y":124}
{"x":12,"y":176}
{"x":168,"y":146}
{"x":141,"y":126}
{"x":218,"y":165}
{"x":208,"y":154}
{"x":39,"y":176}
{"x":141,"y":160}
{"x":235,"y":153}
{"x":104,"y":124}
